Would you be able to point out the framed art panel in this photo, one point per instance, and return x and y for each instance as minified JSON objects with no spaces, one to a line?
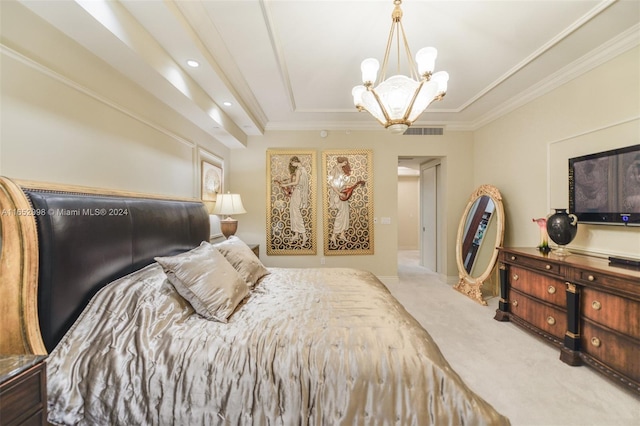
{"x":291,"y":202}
{"x":211,"y":180}
{"x":348,"y":202}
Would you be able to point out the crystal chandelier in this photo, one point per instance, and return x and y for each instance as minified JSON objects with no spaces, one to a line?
{"x":397,"y":102}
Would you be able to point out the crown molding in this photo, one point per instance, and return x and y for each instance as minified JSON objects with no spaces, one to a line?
{"x":37,"y":66}
{"x":604,"y":53}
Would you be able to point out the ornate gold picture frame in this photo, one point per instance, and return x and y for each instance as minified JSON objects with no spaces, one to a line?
{"x":347,"y":190}
{"x":291,"y":202}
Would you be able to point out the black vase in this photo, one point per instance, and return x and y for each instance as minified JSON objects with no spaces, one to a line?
{"x":562,"y":228}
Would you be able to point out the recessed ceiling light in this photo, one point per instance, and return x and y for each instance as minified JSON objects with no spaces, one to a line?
{"x":193,"y":63}
{"x":227,"y":103}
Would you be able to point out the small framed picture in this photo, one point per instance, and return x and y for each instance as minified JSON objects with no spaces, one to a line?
{"x":211,"y":185}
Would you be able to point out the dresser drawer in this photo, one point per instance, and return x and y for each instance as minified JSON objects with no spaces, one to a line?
{"x":37,"y":418}
{"x":23,"y":398}
{"x":612,"y":311}
{"x":541,"y":265}
{"x":539,"y":286}
{"x":597,"y":278}
{"x":544,"y":317}
{"x":617,"y":352}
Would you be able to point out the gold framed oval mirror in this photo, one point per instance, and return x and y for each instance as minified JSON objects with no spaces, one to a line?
{"x":480,"y":233}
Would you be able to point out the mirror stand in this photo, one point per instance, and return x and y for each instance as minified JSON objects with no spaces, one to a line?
{"x":480,"y":233}
{"x":474,"y":291}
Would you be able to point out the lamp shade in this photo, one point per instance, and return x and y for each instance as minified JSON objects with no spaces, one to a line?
{"x":228,"y":204}
{"x":357,"y":94}
{"x":426,"y":59}
{"x":369,"y":68}
{"x":442,"y":78}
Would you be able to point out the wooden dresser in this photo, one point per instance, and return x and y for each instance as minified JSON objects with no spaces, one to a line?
{"x":590,"y":310}
{"x":23,"y":390}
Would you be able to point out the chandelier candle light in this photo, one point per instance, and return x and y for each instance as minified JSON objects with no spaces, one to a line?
{"x":398,"y":101}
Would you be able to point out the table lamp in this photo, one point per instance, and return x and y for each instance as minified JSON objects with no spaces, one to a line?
{"x":228,"y":204}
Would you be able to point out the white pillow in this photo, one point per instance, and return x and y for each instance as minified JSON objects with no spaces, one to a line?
{"x":205,"y":279}
{"x":241,"y":257}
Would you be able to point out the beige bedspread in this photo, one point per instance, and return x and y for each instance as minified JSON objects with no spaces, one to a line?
{"x":307,"y":346}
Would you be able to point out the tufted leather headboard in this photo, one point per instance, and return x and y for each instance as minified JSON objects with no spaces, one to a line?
{"x":86,"y":240}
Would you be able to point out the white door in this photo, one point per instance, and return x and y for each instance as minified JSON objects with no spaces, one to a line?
{"x":429,"y":208}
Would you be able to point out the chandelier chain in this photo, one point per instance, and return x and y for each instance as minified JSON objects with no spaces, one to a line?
{"x":412,"y":64}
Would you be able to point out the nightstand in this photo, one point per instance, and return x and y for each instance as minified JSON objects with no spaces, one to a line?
{"x":255,"y":248}
{"x":23,"y":390}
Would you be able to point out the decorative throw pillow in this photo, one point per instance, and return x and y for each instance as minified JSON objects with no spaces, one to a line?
{"x":241,"y":257}
{"x":205,"y":279}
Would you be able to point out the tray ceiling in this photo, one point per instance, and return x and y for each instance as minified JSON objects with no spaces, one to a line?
{"x":290,"y":65}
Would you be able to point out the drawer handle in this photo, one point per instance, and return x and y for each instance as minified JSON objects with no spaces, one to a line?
{"x":595,"y":342}
{"x":551,"y":289}
{"x":513,"y":258}
{"x":596,"y":305}
{"x":515,"y":303}
{"x":547,"y":267}
{"x":551,"y":320}
{"x":515,"y":277}
{"x":591,"y":278}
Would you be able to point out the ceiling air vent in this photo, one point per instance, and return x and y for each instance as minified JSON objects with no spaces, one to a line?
{"x":424,"y":131}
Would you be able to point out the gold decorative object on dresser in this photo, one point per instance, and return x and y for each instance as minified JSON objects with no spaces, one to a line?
{"x":580,"y":303}
{"x":23,"y":390}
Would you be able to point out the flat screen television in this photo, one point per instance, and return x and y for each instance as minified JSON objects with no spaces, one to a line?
{"x":604,"y":187}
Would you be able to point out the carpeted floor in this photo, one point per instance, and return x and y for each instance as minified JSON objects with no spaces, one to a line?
{"x":520,"y":375}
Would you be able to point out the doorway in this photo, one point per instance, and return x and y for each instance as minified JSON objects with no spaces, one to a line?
{"x":427,"y":208}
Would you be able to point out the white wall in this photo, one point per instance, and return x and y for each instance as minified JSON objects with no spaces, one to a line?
{"x":409,"y":213}
{"x":248,"y":177}
{"x":525,"y":153}
{"x":67,"y":117}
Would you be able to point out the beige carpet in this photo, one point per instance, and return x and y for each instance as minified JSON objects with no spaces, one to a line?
{"x":520,"y":375}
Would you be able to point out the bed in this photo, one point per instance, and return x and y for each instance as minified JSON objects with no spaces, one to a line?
{"x":146,"y":322}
